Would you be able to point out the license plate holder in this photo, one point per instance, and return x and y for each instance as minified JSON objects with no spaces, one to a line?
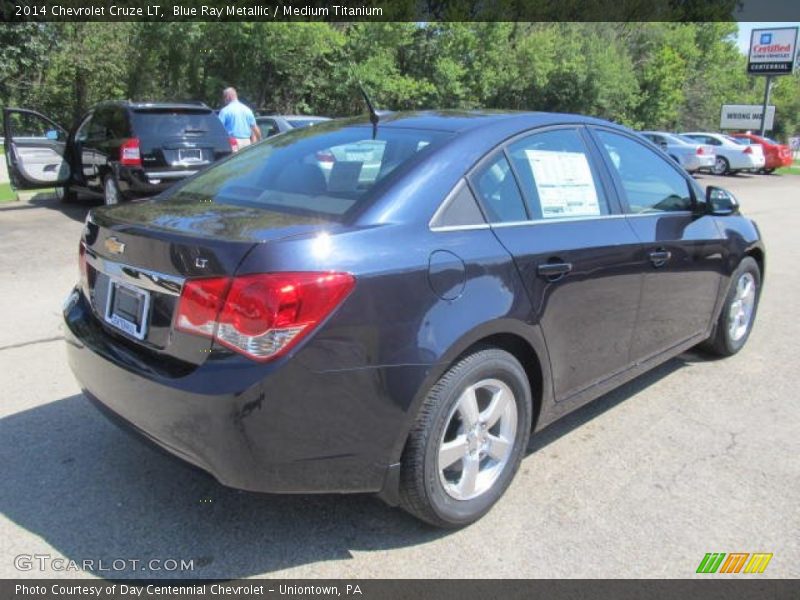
{"x":127,"y":309}
{"x":190,"y":155}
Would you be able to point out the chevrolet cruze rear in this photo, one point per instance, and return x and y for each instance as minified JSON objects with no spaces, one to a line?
{"x":395,"y":308}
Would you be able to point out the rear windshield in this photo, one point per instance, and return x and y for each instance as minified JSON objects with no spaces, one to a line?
{"x":326,"y":170}
{"x":176,"y":122}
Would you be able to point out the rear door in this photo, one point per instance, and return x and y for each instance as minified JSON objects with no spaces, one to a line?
{"x":35,"y":150}
{"x":552,"y":210}
{"x":682,"y":251}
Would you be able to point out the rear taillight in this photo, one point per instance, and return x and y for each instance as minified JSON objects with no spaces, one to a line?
{"x":261,"y":316}
{"x":700,"y":150}
{"x":748,"y":150}
{"x":234,"y":144}
{"x":325,"y":156}
{"x":129,"y":153}
{"x":200,"y":303}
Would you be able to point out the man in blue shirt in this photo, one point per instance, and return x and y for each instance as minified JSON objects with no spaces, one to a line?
{"x":239,"y":121}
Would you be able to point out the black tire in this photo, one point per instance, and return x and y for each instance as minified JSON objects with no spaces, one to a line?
{"x":422,"y":492}
{"x":65,"y":194}
{"x":109,"y":184}
{"x":721,"y":166}
{"x":768,"y":171}
{"x":721,"y":343}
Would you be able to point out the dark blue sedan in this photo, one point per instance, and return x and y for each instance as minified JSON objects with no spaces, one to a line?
{"x":395,"y":308}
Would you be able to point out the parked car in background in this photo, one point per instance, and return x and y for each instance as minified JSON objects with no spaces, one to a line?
{"x":274,"y":124}
{"x":118,"y":150}
{"x":776,"y":155}
{"x":690,"y":154}
{"x":731,"y":157}
{"x":403,"y":333}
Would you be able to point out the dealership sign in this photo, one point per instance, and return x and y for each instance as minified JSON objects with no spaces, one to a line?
{"x":772,"y":51}
{"x":745,"y":116}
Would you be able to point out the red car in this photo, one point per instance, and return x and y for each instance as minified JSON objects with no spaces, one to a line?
{"x":777,"y":155}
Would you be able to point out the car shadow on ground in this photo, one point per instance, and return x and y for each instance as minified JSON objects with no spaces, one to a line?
{"x":94,"y":493}
{"x":75,"y":210}
{"x":593,"y":409}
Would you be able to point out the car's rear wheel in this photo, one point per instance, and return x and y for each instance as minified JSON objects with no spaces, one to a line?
{"x":738,"y":313}
{"x":721,"y":166}
{"x":111,"y":193}
{"x":468,"y":440}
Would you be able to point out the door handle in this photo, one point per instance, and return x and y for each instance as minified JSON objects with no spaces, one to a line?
{"x":553,"y":271}
{"x":660,"y":257}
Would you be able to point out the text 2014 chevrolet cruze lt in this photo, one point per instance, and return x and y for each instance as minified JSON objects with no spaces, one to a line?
{"x":395,"y":308}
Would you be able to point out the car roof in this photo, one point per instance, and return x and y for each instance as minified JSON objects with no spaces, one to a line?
{"x":461,"y":121}
{"x":293,"y":117}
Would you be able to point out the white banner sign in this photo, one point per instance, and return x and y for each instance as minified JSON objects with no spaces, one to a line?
{"x":772,"y":51}
{"x":745,"y":116}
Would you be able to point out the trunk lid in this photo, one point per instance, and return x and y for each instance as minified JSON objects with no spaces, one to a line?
{"x":139,"y":255}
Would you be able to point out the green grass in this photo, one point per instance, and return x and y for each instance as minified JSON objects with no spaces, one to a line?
{"x":792,"y":170}
{"x":6,"y":194}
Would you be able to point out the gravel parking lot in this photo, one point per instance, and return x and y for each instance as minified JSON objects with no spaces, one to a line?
{"x":698,"y":456}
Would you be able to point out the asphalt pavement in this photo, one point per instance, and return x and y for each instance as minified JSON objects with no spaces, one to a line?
{"x":697,"y":456}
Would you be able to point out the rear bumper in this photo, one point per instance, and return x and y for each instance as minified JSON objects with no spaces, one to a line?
{"x":695,"y":162}
{"x":278,"y":428}
{"x":138,"y":182}
{"x":776,"y":162}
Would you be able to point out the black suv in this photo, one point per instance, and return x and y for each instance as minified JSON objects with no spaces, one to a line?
{"x":118,"y":150}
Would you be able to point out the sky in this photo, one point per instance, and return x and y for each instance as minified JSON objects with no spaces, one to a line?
{"x":743,"y":37}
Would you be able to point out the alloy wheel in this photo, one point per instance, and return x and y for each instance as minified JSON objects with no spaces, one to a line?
{"x":478,"y":439}
{"x":741,"y":311}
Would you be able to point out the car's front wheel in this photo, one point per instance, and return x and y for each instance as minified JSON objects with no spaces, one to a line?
{"x":111,"y":193}
{"x":468,"y":440}
{"x":739,"y":311}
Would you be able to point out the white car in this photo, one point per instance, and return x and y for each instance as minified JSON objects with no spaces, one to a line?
{"x":731,"y":156}
{"x":688,"y":153}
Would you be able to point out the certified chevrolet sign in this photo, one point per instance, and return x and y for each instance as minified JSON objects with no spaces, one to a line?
{"x":773,"y":51}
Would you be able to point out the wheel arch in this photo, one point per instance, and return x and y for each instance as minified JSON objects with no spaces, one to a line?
{"x":524,"y":342}
{"x":757,"y":254}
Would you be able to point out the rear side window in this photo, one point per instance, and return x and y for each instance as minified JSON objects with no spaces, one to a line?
{"x":163,"y":123}
{"x":650,"y":182}
{"x":498,"y":192}
{"x":325,"y":170}
{"x":556,"y":176}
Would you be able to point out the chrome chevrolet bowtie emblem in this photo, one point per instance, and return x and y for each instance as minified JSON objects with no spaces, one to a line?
{"x":114,"y":246}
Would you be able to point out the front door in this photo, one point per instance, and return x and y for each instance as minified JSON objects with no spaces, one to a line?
{"x":682,"y":252}
{"x":35,"y":149}
{"x":573,"y":249}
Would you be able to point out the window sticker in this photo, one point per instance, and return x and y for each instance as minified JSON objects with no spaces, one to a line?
{"x":565,"y":184}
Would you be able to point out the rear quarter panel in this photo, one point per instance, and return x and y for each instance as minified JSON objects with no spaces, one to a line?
{"x":394,"y":333}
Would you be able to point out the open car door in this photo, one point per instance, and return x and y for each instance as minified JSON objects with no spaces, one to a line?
{"x":35,"y":150}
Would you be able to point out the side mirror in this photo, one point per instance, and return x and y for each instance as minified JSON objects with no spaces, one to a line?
{"x":52,"y":134}
{"x":721,"y":202}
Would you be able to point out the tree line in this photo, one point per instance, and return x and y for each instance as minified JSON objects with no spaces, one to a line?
{"x":672,"y":76}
